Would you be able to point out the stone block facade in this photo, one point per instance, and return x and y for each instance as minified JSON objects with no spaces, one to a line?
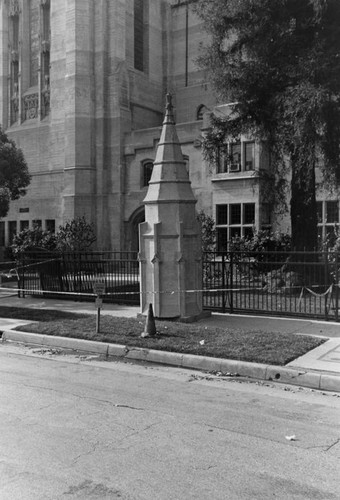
{"x":82,"y":89}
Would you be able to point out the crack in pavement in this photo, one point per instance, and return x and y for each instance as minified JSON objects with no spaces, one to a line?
{"x":89,"y":398}
{"x":333,"y":444}
{"x":87,"y":453}
{"x":121,"y":440}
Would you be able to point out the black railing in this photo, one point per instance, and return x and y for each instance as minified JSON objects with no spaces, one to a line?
{"x":280,"y":283}
{"x":71,"y":275}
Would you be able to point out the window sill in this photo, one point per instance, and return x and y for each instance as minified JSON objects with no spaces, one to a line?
{"x":235,"y":176}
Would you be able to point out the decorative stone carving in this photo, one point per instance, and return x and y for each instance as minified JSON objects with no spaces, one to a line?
{"x":45,"y":96}
{"x":30,"y":103}
{"x":45,"y":46}
{"x":13,"y":8}
{"x":15,"y":103}
{"x":14,"y":55}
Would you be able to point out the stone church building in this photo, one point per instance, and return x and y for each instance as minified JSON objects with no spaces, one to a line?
{"x":82,"y":92}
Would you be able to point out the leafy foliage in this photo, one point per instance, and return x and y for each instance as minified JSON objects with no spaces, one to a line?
{"x":35,"y":238}
{"x":76,"y":235}
{"x":279,"y":62}
{"x":264,"y":240}
{"x":264,"y":249}
{"x":208,"y":231}
{"x":14,"y":175}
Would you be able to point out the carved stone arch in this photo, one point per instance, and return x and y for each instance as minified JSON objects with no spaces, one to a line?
{"x":14,"y":8}
{"x":201,"y":109}
{"x":146,"y":171}
{"x":136,"y":218}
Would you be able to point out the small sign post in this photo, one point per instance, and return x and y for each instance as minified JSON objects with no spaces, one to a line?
{"x":99,"y":290}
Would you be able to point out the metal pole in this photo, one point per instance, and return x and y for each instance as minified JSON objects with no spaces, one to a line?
{"x":336,"y":287}
{"x":98,"y":320}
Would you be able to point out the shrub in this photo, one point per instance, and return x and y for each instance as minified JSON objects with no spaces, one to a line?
{"x":264,"y":249}
{"x":208,"y":231}
{"x":75,"y":236}
{"x":32,"y":239}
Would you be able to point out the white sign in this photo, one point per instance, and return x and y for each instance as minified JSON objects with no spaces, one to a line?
{"x":98,"y":288}
{"x":98,"y":303}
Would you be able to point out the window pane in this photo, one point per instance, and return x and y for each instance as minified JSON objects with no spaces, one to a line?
{"x":222,"y":164}
{"x":34,"y":27}
{"x":235,"y":151}
{"x":332,"y":211}
{"x":249,"y":213}
{"x":50,"y":225}
{"x":248,"y":232}
{"x":222,"y":214}
{"x":235,"y":214}
{"x":222,"y":239}
{"x":319,"y":211}
{"x":330,"y":236}
{"x":12,"y":230}
{"x":2,"y":234}
{"x":24,"y":225}
{"x":235,"y":157}
{"x":139,"y":34}
{"x":147,"y":172}
{"x":235,"y":231}
{"x":37,"y":223}
{"x":249,"y":153}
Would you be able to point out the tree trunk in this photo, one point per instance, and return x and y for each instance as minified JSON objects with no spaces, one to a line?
{"x":303,"y":205}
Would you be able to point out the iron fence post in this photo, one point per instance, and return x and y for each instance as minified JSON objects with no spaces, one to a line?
{"x":336,"y":287}
{"x":223,"y":283}
{"x":327,"y":305}
{"x":231,"y":281}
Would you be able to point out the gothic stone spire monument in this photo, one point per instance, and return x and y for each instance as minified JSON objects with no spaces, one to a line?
{"x":169,"y":239}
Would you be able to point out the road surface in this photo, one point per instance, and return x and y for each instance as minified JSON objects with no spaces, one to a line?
{"x":74,"y":427}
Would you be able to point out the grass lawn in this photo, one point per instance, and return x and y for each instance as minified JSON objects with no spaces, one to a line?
{"x":240,"y":344}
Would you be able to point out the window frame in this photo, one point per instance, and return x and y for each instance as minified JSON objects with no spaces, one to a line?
{"x":144,"y":175}
{"x":226,"y":163}
{"x":227,"y":227}
{"x":325,"y":227}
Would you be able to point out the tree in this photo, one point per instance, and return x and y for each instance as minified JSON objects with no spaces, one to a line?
{"x":14,"y":175}
{"x":279,"y":61}
{"x":75,"y":235}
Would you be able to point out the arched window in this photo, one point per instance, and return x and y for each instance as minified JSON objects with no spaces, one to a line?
{"x":45,"y":16}
{"x":147,"y":167}
{"x":200,"y":111}
{"x":14,"y":36}
{"x":141,"y":35}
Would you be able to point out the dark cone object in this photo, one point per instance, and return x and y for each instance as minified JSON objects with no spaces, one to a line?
{"x":150,"y":325}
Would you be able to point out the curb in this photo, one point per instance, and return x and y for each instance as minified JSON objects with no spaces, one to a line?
{"x":306,"y":378}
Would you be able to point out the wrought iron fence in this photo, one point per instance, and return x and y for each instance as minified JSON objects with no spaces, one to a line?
{"x":74,"y":274}
{"x":280,"y":283}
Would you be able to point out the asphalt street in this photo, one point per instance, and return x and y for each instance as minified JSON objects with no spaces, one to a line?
{"x":79,"y":428}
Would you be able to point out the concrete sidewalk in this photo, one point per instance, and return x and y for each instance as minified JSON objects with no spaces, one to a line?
{"x":318,"y":369}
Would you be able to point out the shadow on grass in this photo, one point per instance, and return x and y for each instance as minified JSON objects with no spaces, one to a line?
{"x":238,"y":344}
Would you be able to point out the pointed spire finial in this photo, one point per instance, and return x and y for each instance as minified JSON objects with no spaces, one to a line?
{"x":169,"y":116}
